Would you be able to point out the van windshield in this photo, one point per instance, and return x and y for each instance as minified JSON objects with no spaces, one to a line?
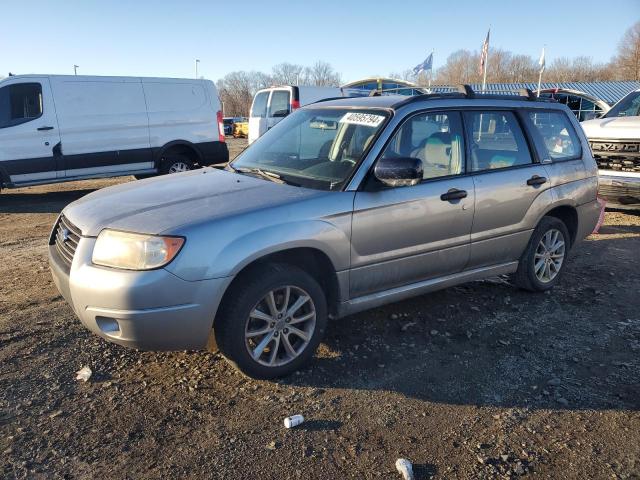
{"x":315,"y":148}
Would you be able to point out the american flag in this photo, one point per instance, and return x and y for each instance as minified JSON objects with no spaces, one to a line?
{"x":484,"y":54}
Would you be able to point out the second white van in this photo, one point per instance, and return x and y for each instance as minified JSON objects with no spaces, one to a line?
{"x":270,"y":105}
{"x":56,"y":128}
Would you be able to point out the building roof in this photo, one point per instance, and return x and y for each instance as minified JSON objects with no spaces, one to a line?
{"x":610,"y":92}
{"x":363,"y":81}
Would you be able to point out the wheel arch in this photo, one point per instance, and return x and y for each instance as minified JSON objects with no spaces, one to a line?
{"x":312,"y":260}
{"x":179,"y":146}
{"x":568,"y":215}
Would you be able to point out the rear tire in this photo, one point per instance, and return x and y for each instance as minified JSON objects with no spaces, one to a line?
{"x":544,"y":258}
{"x":175,"y":163}
{"x":268,"y":339}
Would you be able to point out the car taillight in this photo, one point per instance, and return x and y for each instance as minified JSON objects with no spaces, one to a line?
{"x":220,"y":126}
{"x":295,"y":104}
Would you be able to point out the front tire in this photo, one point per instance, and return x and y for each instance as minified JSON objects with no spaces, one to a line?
{"x":272,"y":322}
{"x":545,"y":256}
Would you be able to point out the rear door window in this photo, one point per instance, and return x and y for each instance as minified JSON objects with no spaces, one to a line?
{"x":20,"y":103}
{"x":496,"y":140}
{"x":259,"y":107}
{"x":559,"y":137}
{"x":280,"y":103}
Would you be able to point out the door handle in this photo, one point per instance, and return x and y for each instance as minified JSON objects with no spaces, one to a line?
{"x":536,"y":180}
{"x":44,"y":128}
{"x":453,"y":194}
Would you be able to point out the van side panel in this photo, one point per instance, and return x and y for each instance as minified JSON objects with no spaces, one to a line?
{"x":185,"y":110}
{"x":103,"y":125}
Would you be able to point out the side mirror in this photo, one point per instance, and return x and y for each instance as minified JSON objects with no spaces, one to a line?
{"x":399,"y":172}
{"x":280,"y":113}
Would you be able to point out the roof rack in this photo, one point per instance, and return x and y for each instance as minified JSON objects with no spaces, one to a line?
{"x":465,"y":91}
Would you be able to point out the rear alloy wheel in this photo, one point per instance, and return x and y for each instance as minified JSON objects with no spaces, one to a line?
{"x":542,"y":261}
{"x":176,"y":164}
{"x":272,"y":321}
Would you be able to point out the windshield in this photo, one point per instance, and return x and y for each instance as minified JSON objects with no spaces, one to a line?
{"x":317,"y":148}
{"x":629,"y":106}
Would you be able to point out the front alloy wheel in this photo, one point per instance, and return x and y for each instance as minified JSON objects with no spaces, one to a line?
{"x":271,"y":320}
{"x":280,"y":326}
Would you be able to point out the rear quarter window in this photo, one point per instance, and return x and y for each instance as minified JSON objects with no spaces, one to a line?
{"x":559,"y":137}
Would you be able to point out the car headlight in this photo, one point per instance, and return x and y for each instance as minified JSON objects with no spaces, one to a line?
{"x":134,"y":251}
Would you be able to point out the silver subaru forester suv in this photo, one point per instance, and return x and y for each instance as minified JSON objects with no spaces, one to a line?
{"x":343,"y":206}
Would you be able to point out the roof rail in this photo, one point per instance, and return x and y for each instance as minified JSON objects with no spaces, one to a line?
{"x":466,"y":90}
{"x":525,"y":92}
{"x":328,"y":99}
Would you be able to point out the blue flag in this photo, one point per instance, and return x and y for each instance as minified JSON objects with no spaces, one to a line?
{"x":424,"y":66}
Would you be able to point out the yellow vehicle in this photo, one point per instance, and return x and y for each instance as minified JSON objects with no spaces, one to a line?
{"x":240,"y":129}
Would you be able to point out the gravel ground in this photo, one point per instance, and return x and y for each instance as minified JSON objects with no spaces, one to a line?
{"x":476,"y":381}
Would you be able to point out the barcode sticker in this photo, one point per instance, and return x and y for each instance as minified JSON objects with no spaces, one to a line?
{"x":366,"y":119}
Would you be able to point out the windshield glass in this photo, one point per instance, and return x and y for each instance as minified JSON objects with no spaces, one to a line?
{"x":317,"y":148}
{"x":629,"y":106}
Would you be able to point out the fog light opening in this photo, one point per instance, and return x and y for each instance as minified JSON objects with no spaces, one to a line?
{"x":108,"y":325}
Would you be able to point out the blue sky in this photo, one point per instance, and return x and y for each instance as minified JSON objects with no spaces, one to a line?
{"x":359,"y":38}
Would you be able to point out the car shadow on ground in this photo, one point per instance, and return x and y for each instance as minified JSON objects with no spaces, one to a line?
{"x":41,"y":202}
{"x":489,"y":344}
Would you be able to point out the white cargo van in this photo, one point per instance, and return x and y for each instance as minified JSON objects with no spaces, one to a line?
{"x":56,"y":128}
{"x":272,"y":104}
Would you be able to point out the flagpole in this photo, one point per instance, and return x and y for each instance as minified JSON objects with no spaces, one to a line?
{"x":486,"y":61}
{"x":539,"y":82}
{"x":542,"y":63}
{"x":431,"y":72}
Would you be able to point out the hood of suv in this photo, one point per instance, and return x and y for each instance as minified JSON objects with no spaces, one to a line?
{"x":158,"y":204}
{"x":622,"y":128}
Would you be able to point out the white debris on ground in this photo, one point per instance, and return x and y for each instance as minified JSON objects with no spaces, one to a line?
{"x":84,"y":374}
{"x":405,"y":468}
{"x":293,"y":420}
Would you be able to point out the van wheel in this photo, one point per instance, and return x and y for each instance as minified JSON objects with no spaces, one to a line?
{"x":272,"y":323}
{"x":175,"y":163}
{"x":545,"y":256}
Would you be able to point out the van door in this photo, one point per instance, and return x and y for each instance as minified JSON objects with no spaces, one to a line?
{"x":279,"y":106}
{"x":104,"y":125}
{"x":258,"y":115}
{"x":29,"y":133}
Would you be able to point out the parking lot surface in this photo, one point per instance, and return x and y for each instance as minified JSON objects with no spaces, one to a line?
{"x":476,"y":381}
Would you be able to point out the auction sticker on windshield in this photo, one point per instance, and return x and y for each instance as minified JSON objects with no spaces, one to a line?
{"x":366,"y":119}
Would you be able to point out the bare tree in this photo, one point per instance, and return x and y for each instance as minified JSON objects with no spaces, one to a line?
{"x":286,"y":73}
{"x":321,"y":74}
{"x":461,"y":67}
{"x":236,"y":91}
{"x":627,"y":61}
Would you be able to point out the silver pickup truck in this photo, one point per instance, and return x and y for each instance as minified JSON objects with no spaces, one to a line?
{"x":615,"y":142}
{"x":343,"y":206}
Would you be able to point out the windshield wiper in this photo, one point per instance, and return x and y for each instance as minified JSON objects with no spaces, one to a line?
{"x":274,"y":177}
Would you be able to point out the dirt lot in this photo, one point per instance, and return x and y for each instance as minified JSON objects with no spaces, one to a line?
{"x":477,"y":381}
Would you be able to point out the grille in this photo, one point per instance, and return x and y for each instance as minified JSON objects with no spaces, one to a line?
{"x":620,"y":156}
{"x":65,"y":238}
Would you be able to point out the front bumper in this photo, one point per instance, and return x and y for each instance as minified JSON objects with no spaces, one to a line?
{"x":619,"y":188}
{"x":150,"y":310}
